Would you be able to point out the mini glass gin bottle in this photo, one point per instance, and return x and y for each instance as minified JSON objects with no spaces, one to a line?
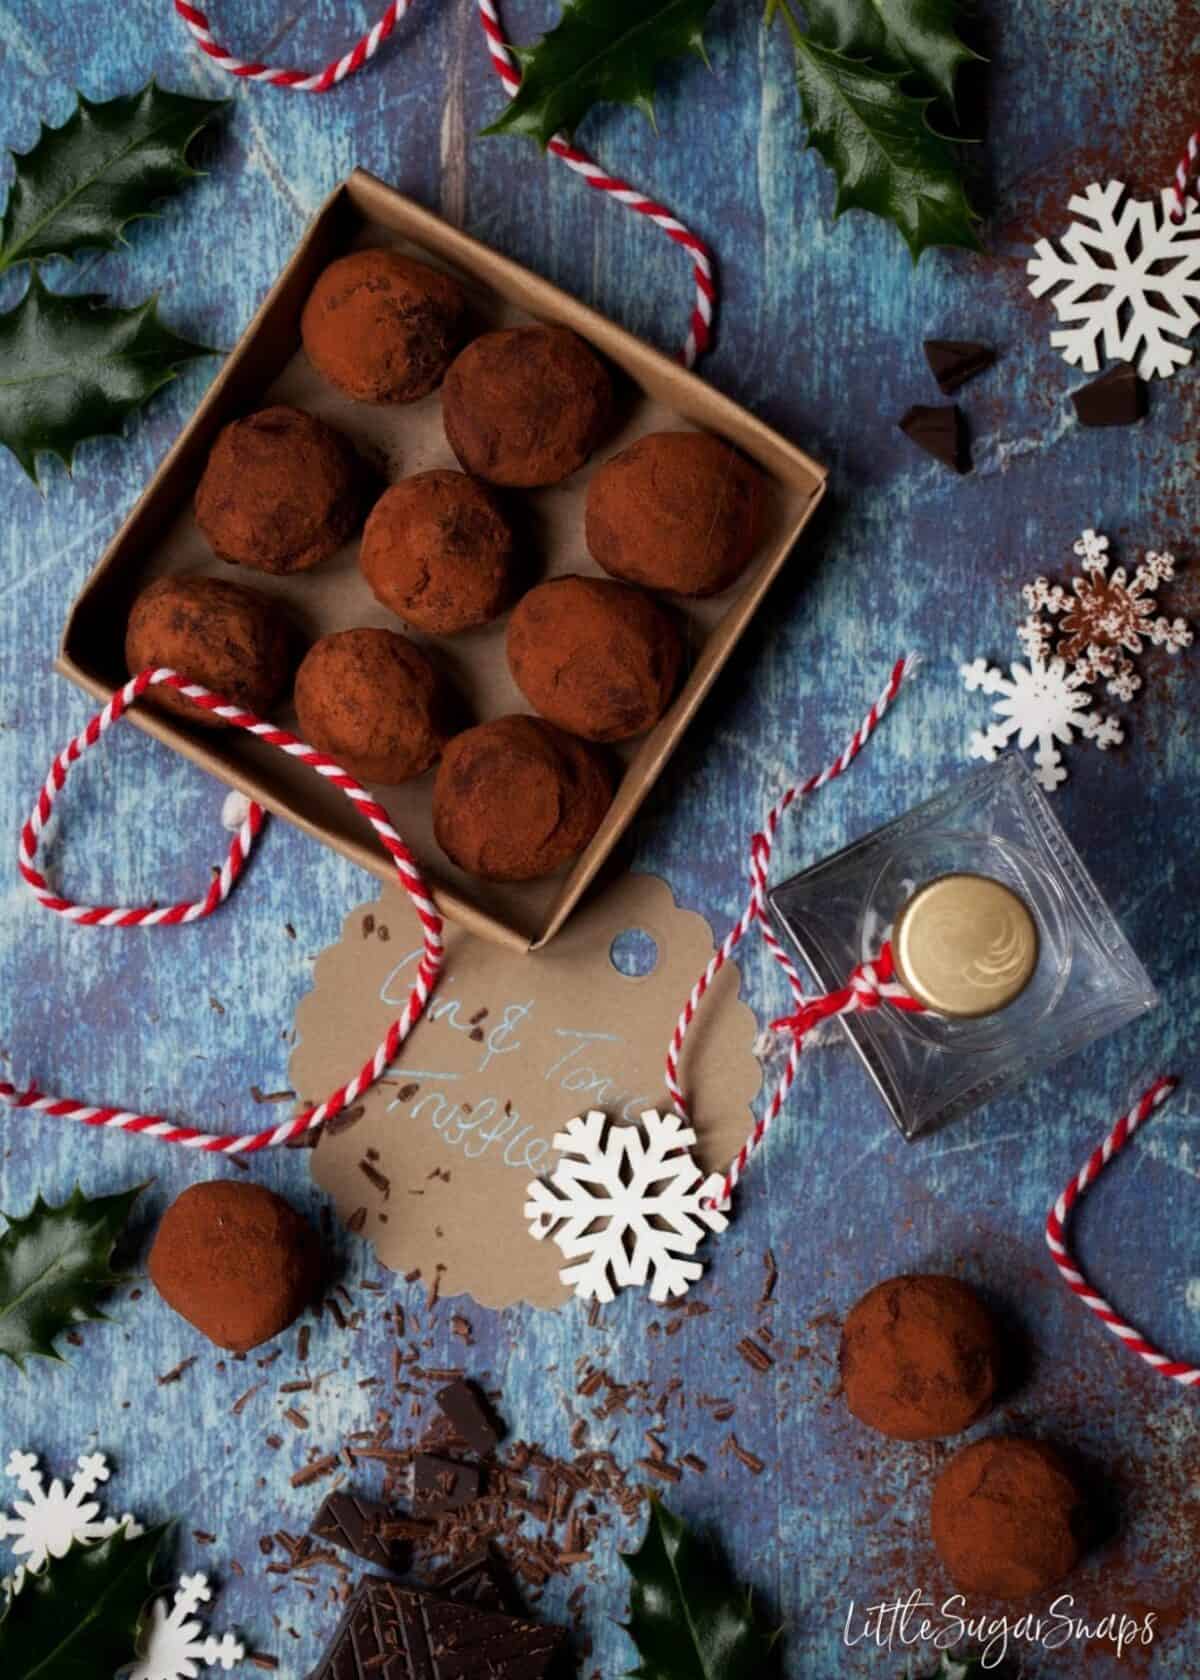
{"x":995,"y":925}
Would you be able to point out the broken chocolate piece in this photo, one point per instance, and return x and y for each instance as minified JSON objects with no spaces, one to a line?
{"x":940,"y":432}
{"x":354,"y":1524}
{"x":473,"y":1418}
{"x":443,"y":1484}
{"x":1117,"y":398}
{"x":395,"y":1633}
{"x":953,"y":361}
{"x":481,"y":1580}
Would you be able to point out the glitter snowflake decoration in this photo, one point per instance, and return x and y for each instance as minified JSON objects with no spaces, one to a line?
{"x":1128,"y":281}
{"x":1043,"y":705}
{"x":1104,"y":619}
{"x":174,"y":1646}
{"x":626,"y":1205}
{"x":50,"y":1520}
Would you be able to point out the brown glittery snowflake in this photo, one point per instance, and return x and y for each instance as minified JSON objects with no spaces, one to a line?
{"x":1105,"y":618}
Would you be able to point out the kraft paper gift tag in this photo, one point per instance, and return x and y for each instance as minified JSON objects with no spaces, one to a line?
{"x":432,"y":1164}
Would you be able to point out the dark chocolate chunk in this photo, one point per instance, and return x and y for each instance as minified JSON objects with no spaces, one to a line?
{"x":1117,"y":398}
{"x":954,"y":360}
{"x":443,"y":1484}
{"x":473,"y":1418}
{"x":352,"y":1523}
{"x":395,"y":1633}
{"x":481,"y":1580}
{"x":940,"y":432}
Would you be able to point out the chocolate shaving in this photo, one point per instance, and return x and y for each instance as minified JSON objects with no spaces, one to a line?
{"x":177,"y":1371}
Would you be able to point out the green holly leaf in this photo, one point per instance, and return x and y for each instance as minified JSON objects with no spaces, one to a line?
{"x":878,"y":142}
{"x":54,"y":1265}
{"x":82,"y":184}
{"x":72,"y":368}
{"x":688,"y":1619}
{"x":599,"y":50}
{"x":77,"y":1619}
{"x":900,"y":35}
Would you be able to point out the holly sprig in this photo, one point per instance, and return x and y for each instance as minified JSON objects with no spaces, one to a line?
{"x":72,"y":368}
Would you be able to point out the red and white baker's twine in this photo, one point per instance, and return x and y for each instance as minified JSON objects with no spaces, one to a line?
{"x":869,"y":986}
{"x":1183,"y":186}
{"x":699,"y":334}
{"x":1074,"y":1279}
{"x":155,"y":1125}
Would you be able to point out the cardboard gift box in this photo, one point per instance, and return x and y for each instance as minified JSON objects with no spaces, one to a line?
{"x":268,"y":366}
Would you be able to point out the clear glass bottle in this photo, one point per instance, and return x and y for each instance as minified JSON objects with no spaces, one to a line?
{"x":1086,"y":981}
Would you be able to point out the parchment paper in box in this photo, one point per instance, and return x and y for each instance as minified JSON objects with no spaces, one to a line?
{"x":432,"y":1165}
{"x":161,"y":536}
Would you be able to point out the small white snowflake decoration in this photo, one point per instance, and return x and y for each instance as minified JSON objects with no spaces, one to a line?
{"x":1105,"y":619}
{"x":1127,"y":279}
{"x":48,"y":1521}
{"x":173,"y":1645}
{"x":626,"y":1204}
{"x":1039,"y":704}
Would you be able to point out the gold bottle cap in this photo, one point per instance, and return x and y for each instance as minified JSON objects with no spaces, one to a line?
{"x":965,"y":945}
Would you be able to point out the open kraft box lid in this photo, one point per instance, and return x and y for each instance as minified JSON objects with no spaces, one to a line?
{"x":267,"y":366}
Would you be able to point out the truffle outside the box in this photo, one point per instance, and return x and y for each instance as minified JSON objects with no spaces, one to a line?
{"x":160,"y":537}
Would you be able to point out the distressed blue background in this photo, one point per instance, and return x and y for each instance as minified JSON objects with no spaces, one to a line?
{"x":820,"y":333}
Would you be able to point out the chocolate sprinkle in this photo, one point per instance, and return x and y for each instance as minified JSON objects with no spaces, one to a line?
{"x":953,"y":361}
{"x":940,"y":432}
{"x":1117,"y":398}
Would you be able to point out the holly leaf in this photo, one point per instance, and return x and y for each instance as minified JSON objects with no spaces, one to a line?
{"x":688,"y":1619}
{"x":876,"y":139}
{"x":899,"y":35}
{"x":78,"y":1618}
{"x":82,"y":184}
{"x":54,"y":1265}
{"x":599,"y":50}
{"x":73,"y":368}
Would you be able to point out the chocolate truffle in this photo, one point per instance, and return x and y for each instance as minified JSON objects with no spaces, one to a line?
{"x":282,"y":491}
{"x":235,"y":1260}
{"x":516,"y":798}
{"x":437,"y":551}
{"x":676,"y":510}
{"x":1009,"y":1518}
{"x":372,"y":701}
{"x":382,"y":327}
{"x":595,"y":657}
{"x":526,"y":406}
{"x":919,"y":1358}
{"x":229,"y":638}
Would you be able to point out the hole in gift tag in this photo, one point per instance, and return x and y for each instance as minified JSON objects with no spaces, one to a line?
{"x":634,"y":954}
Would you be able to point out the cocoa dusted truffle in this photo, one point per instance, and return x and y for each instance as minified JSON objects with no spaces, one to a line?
{"x":595,"y":657}
{"x":1009,"y":1518}
{"x":282,"y":491}
{"x":919,"y":1358}
{"x":437,"y":551}
{"x":526,"y":406}
{"x":382,"y":327}
{"x":679,"y":511}
{"x":372,"y":701}
{"x":235,"y":1260}
{"x":516,"y":798}
{"x":229,"y":638}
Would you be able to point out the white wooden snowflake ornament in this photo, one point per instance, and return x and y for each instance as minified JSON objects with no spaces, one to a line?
{"x":1127,"y":279}
{"x":626,"y":1204}
{"x":50,"y":1520}
{"x":173,"y":1645}
{"x":1040,"y":704}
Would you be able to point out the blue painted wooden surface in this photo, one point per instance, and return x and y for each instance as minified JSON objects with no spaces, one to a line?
{"x":820,"y":333}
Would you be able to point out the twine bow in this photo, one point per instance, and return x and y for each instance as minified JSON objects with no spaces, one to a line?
{"x":870,"y":986}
